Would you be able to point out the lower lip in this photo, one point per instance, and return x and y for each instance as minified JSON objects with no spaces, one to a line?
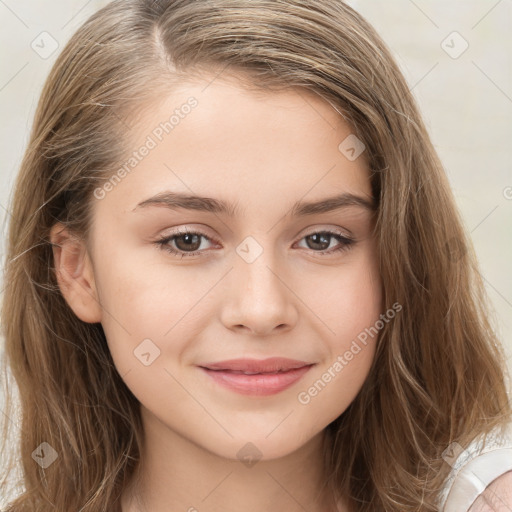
{"x":261,"y":384}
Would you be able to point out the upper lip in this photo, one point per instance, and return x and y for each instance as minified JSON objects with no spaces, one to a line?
{"x":270,"y":365}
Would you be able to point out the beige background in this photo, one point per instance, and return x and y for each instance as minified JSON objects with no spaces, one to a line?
{"x":466,"y":100}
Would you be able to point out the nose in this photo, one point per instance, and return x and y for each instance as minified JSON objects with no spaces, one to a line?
{"x":259,"y":297}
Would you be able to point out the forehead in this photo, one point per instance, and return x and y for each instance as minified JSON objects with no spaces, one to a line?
{"x":214,"y":137}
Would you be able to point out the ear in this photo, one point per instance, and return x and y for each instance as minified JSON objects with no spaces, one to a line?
{"x":74,"y":273}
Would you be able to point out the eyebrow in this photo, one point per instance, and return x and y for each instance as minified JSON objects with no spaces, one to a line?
{"x":177,"y":200}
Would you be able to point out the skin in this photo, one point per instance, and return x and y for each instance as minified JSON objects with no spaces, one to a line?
{"x":263,"y":152}
{"x":497,"y":497}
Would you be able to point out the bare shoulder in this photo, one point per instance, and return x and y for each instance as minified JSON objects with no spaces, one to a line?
{"x":497,"y":497}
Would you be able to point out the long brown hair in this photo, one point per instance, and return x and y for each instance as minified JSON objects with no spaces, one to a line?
{"x":438,"y":374}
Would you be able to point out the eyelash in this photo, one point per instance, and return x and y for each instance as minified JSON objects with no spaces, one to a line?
{"x":163,"y":243}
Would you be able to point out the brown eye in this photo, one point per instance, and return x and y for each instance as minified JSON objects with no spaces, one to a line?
{"x":188,"y":242}
{"x":185,"y":243}
{"x":320,"y":241}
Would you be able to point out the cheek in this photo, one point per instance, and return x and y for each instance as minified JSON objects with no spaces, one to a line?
{"x":141,"y":304}
{"x":333,"y":387}
{"x":350,"y":307}
{"x":346,"y":300}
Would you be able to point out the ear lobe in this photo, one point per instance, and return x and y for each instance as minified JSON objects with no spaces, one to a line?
{"x":74,"y":274}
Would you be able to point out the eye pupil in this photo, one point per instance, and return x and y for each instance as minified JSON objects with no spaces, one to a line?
{"x":321,"y":239}
{"x":188,"y":237}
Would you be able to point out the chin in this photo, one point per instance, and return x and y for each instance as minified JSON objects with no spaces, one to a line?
{"x":259,"y":447}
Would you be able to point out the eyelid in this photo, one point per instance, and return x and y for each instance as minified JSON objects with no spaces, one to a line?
{"x":316,"y":228}
{"x":189,"y":229}
{"x":192,"y":231}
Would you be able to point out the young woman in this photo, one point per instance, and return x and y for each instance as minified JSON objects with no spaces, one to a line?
{"x":236,"y":277}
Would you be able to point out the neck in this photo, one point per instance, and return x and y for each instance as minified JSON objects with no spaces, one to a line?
{"x":176,"y":474}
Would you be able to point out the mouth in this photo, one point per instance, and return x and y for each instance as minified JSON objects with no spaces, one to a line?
{"x":256,"y":366}
{"x":253,"y":377}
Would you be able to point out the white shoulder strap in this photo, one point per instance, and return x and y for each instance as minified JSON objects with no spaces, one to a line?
{"x":474,"y":468}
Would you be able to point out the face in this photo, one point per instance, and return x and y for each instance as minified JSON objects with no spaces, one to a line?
{"x":256,"y":271}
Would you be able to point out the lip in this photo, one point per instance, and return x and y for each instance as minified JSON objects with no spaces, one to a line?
{"x":265,"y":377}
{"x":269,"y":365}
